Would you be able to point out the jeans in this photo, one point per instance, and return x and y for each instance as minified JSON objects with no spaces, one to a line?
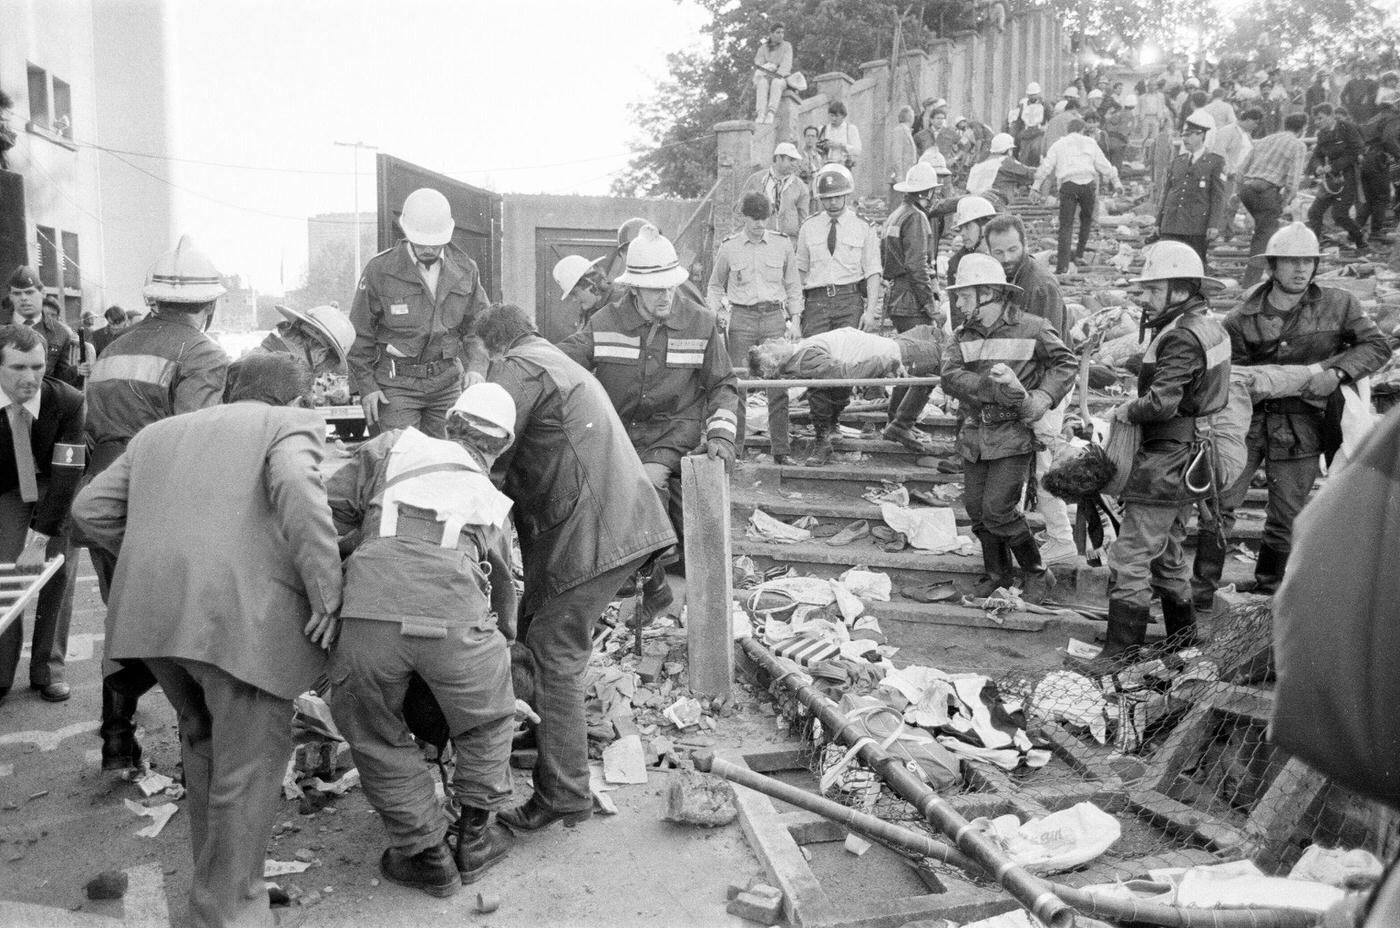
{"x":992,"y":495}
{"x":907,"y":403}
{"x":750,"y":326}
{"x":1265,"y":204}
{"x":559,"y":635}
{"x":1147,"y":554}
{"x":1072,"y":195}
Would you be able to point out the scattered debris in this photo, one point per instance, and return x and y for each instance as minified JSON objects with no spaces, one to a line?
{"x":758,"y":903}
{"x":623,"y":761}
{"x":284,"y":867}
{"x":109,"y":884}
{"x":487,"y":902}
{"x":856,"y":845}
{"x":159,"y":815}
{"x":695,"y":798}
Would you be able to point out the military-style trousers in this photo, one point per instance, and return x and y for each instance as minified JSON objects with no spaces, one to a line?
{"x":823,"y":313}
{"x":559,"y":635}
{"x":992,"y":495}
{"x":468,"y":671}
{"x":1147,"y":554}
{"x":750,"y":326}
{"x":421,"y":402}
{"x":234,"y":744}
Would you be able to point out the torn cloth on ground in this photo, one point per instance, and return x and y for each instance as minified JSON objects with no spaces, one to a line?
{"x":764,"y":527}
{"x":932,"y":529}
{"x":1059,"y":841}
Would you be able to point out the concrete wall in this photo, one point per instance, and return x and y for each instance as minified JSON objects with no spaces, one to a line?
{"x":980,"y":74}
{"x":523,"y":214}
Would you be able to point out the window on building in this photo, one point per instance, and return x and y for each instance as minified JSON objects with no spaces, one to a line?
{"x":62,"y":108}
{"x":49,"y":274}
{"x":38,"y":96}
{"x":72,"y":269}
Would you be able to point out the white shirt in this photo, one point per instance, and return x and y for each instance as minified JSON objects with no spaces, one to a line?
{"x":1231,"y":143}
{"x":1077,"y":159}
{"x":847,"y":134}
{"x":429,"y":273}
{"x":984,"y":174}
{"x":852,"y":346}
{"x":31,"y":405}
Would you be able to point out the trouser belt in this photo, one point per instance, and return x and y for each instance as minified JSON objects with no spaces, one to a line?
{"x":832,"y":290}
{"x":400,"y":368}
{"x":767,"y":304}
{"x":992,"y":414}
{"x":423,"y":525}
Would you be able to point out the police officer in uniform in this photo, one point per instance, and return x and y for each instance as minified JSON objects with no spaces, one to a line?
{"x":414,"y":350}
{"x":1193,"y":197}
{"x":1288,"y":319}
{"x":1185,"y":376}
{"x":61,"y":345}
{"x":662,"y":360}
{"x":428,"y":591}
{"x":756,"y":272}
{"x":910,"y":296}
{"x":1007,"y":369}
{"x":163,"y":366}
{"x":838,"y":256}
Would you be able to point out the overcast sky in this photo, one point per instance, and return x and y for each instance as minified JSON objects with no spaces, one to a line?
{"x":525,"y":96}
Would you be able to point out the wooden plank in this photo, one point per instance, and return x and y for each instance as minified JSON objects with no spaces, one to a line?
{"x":805,"y":903}
{"x":1294,"y":796}
{"x":1185,"y":821}
{"x":708,"y":576}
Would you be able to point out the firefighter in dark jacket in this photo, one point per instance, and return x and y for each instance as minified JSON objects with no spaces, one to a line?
{"x":1381,"y":138}
{"x":910,"y":296}
{"x":1288,"y":319}
{"x":1006,"y":368}
{"x":587,"y":518}
{"x":414,"y":351}
{"x":1335,"y":160}
{"x":1185,"y":376}
{"x":1193,"y":198}
{"x":664,"y":364}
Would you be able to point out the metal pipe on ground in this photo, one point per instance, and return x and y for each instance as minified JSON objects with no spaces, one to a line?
{"x":871,"y":826}
{"x":988,"y":861}
{"x":1026,"y":889}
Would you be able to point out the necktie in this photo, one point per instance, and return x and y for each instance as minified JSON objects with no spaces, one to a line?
{"x":24,"y":453}
{"x":831,"y":236}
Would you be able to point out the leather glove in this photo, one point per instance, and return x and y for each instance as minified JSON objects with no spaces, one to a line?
{"x":723,"y":449}
{"x":1322,"y":384}
{"x":1120,"y":412}
{"x":1035,"y":405}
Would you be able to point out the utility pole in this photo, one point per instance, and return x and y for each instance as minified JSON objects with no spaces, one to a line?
{"x":356,"y":146}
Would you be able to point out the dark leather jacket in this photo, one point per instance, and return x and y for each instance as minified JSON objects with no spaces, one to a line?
{"x":583,"y":503}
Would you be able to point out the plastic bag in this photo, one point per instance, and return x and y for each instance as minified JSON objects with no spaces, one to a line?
{"x":1121,"y":447}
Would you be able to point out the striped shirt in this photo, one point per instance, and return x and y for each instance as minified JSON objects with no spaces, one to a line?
{"x":1278,"y":159}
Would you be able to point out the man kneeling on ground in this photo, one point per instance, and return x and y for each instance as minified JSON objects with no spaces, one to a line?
{"x":428,"y":591}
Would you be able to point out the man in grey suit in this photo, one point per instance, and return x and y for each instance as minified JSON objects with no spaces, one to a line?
{"x":227,"y":586}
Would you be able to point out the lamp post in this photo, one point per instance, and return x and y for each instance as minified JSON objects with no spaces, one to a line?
{"x":356,"y":146}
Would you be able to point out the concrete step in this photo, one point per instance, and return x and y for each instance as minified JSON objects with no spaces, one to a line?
{"x":825,"y":508}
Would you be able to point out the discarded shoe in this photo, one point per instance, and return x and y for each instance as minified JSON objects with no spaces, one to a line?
{"x":825,"y":530}
{"x":883,"y":533}
{"x":897,"y":543}
{"x":935,"y":592}
{"x":909,"y":438}
{"x":857,"y":529}
{"x":954,"y":466}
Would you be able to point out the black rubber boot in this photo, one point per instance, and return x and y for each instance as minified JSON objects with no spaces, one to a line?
{"x":1127,"y":631}
{"x":1207,"y":569}
{"x":481,"y":843}
{"x":430,"y":870}
{"x":1040,"y":582}
{"x":656,"y":594}
{"x":120,"y":749}
{"x":1179,"y":616}
{"x":996,"y":565}
{"x":1268,"y":571}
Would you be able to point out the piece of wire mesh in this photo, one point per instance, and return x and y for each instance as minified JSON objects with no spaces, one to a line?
{"x":1174,"y":745}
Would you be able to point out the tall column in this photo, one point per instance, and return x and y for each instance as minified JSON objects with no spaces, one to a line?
{"x":735,"y":162}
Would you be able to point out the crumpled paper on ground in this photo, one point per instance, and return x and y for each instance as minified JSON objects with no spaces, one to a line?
{"x":887,"y":492}
{"x":1336,"y":866}
{"x":764,"y":527}
{"x":1065,"y":696}
{"x":273,"y":868}
{"x":159,"y":816}
{"x":871,"y":585}
{"x":348,"y":781}
{"x":1059,"y":841}
{"x":933,"y":528}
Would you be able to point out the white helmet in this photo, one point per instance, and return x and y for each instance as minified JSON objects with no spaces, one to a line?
{"x":979,"y":270}
{"x":427,"y":218}
{"x":1032,"y":89}
{"x":1201,"y":120}
{"x":1294,"y":240}
{"x":922,"y":176}
{"x":184,"y":275}
{"x":972,"y":208}
{"x":787,"y":150}
{"x":1072,"y":91}
{"x":935,"y":158}
{"x":331,"y":324}
{"x":489,"y":402}
{"x":1172,"y":260}
{"x":1002,"y":143}
{"x":652,"y":263}
{"x":569,"y":270}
